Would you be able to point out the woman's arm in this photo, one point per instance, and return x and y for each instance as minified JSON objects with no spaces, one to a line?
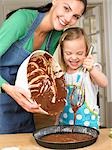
{"x":23,"y":98}
{"x":14,"y":28}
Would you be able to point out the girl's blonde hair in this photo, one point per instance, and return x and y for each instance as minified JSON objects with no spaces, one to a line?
{"x":71,"y":34}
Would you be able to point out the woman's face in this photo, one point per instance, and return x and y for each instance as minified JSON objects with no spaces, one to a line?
{"x":65,"y":13}
{"x":74,"y":53}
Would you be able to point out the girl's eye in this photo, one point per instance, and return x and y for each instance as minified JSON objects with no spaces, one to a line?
{"x":68,"y":53}
{"x":66,"y":9}
{"x":79,"y":53}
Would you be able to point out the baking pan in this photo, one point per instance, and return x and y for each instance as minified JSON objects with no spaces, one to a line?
{"x":38,"y":135}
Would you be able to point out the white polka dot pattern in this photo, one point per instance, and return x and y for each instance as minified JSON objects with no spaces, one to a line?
{"x":86,"y":123}
{"x":93,"y":117}
{"x":79,"y":117}
{"x":70,"y":110}
{"x":65,"y":115}
{"x":86,"y":111}
{"x":71,"y":122}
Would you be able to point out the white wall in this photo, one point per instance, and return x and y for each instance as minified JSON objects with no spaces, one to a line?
{"x":8,"y":5}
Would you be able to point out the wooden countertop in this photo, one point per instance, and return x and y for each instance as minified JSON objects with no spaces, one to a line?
{"x":27,"y":142}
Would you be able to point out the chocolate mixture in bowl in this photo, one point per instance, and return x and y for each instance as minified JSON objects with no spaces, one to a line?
{"x":46,"y":82}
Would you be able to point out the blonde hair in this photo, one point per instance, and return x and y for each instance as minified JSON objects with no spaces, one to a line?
{"x":71,"y":34}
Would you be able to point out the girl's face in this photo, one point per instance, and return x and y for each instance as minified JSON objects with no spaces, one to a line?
{"x":74,"y":53}
{"x":65,"y":13}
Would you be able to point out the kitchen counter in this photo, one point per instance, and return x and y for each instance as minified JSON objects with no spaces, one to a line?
{"x":27,"y":142}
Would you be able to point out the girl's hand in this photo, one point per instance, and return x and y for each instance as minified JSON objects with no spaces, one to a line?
{"x":88,"y":62}
{"x":23,"y":98}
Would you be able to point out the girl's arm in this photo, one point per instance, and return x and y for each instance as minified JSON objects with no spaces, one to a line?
{"x":97,"y":76}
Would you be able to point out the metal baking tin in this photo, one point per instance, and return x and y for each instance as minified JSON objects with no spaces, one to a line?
{"x":65,"y":129}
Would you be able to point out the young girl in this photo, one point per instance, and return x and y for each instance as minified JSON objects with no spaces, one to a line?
{"x":82,"y":77}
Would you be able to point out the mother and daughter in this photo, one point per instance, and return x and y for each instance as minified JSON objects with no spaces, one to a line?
{"x":27,"y":30}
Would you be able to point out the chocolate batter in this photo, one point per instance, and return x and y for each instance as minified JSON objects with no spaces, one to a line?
{"x":66,"y":138}
{"x":46,"y":83}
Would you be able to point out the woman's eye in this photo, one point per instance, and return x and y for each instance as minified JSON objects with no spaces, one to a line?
{"x":77,"y":17}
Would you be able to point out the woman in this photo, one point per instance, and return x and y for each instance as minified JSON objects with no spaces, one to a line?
{"x":22,"y":33}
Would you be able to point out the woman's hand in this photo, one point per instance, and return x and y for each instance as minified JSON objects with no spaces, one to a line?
{"x":88,"y":62}
{"x":23,"y":98}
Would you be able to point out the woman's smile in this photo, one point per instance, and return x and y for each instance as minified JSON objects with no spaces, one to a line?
{"x":62,"y":21}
